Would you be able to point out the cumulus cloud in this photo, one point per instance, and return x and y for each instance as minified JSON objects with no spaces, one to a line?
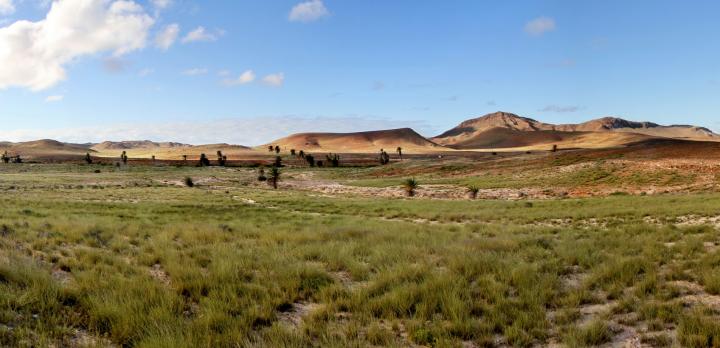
{"x":246,"y":131}
{"x":195,"y":71}
{"x":167,"y":37}
{"x":54,"y":98}
{"x":274,"y":80}
{"x":308,"y":11}
{"x":6,"y":7}
{"x":560,"y":109}
{"x":34,"y":54}
{"x":540,"y":26}
{"x":246,"y":77}
{"x":200,"y":34}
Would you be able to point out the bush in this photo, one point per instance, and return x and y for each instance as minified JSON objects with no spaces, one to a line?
{"x":410,"y":185}
{"x":189,"y":182}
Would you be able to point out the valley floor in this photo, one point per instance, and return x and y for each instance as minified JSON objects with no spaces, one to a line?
{"x":571,"y":251}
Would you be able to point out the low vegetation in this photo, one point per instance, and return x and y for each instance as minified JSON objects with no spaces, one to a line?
{"x":131,"y":257}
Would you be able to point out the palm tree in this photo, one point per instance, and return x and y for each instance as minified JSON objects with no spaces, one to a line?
{"x":204,"y":161}
{"x":274,"y":177}
{"x":399,"y":151}
{"x":88,"y":159}
{"x":472,"y":191}
{"x":271,"y":148}
{"x":221,"y":158}
{"x":410,"y":185}
{"x":184,"y":158}
{"x":292,"y":152}
{"x":277,"y":149}
{"x":124,"y":157}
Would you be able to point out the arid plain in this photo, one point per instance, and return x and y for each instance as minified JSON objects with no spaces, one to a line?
{"x":503,"y":231}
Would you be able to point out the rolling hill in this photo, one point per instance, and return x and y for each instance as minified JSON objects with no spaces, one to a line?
{"x":167,"y":150}
{"x":43,"y":148}
{"x":360,"y":142}
{"x":503,"y":130}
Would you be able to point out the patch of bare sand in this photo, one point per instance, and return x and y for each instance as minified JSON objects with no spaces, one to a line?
{"x":298,"y":311}
{"x":693,"y":294}
{"x":158,"y":273}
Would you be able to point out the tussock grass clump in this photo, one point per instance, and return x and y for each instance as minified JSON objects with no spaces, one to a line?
{"x":593,"y":334}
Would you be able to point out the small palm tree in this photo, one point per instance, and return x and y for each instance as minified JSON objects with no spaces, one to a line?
{"x":274,"y":177}
{"x":88,"y":159}
{"x":410,"y":185}
{"x":399,"y":151}
{"x":472,"y":191}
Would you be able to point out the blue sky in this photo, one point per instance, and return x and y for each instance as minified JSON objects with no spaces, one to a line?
{"x":247,"y":72}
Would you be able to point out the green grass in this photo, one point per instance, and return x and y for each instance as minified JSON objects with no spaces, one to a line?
{"x":136,"y":258}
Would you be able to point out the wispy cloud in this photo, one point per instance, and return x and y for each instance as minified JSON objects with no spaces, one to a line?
{"x":246,"y":77}
{"x":201,"y":34}
{"x":54,"y":98}
{"x":195,"y":71}
{"x":540,"y":26}
{"x":146,"y":72}
{"x":245,"y":131}
{"x":378,"y":86}
{"x":115,"y":65}
{"x":308,"y":11}
{"x":560,"y":109}
{"x":167,"y":37}
{"x":162,"y":4}
{"x":274,"y":80}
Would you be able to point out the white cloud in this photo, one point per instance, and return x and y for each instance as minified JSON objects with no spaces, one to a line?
{"x":34,"y":54}
{"x":6,"y":7}
{"x":54,"y":98}
{"x":195,"y":71}
{"x":274,"y":80}
{"x":244,"y":78}
{"x":167,"y":37}
{"x":540,"y":26}
{"x":200,"y":34}
{"x":308,"y":11}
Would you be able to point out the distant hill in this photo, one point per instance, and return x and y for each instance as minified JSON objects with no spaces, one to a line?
{"x":42,"y":148}
{"x":136,"y":144}
{"x":506,"y":130}
{"x":166,"y":150}
{"x":367,"y":142}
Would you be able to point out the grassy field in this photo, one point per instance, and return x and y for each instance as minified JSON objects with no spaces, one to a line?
{"x":100,"y":256}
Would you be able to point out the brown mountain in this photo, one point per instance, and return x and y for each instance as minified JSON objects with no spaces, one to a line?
{"x":506,"y":130}
{"x":359,"y":142}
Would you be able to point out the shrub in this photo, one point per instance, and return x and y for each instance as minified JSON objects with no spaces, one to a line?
{"x":189,"y":182}
{"x":410,"y":185}
{"x":473,"y":191}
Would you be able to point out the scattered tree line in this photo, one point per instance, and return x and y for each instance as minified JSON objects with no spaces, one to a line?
{"x":10,"y":159}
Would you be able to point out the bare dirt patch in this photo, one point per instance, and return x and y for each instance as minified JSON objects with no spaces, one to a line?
{"x":299,"y":310}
